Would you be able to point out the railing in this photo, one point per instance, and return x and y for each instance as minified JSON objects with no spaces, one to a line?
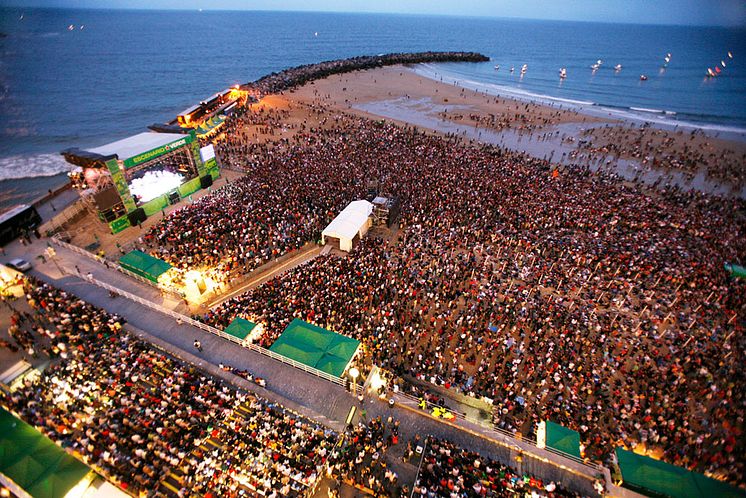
{"x":301,"y":366}
{"x":64,"y":216}
{"x":493,"y":432}
{"x":102,"y":260}
{"x":56,"y":239}
{"x":213,"y":330}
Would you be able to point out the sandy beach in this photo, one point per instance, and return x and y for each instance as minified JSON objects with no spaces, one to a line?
{"x":635,"y":151}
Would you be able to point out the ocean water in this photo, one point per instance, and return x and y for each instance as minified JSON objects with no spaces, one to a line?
{"x":118,"y":71}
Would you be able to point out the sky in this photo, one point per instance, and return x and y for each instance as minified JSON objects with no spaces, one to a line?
{"x":687,"y":12}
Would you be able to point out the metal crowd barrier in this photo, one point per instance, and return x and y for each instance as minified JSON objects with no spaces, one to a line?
{"x":218,"y":332}
{"x":116,"y":266}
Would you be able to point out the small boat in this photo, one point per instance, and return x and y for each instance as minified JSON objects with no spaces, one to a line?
{"x":618,"y":68}
{"x":722,"y":63}
{"x":70,"y":27}
{"x":710,"y":73}
{"x":497,"y":67}
{"x":730,"y":56}
{"x":598,"y":64}
{"x":666,"y":59}
{"x":643,"y":77}
{"x":563,"y":73}
{"x":512,"y":69}
{"x":524,"y":68}
{"x":82,"y":26}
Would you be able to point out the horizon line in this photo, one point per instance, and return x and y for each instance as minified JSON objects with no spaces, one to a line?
{"x":412,"y":14}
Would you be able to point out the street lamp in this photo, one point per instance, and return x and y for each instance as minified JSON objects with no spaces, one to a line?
{"x":52,"y":253}
{"x":354,"y":372}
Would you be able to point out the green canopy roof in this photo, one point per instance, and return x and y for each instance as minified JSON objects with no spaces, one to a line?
{"x":34,"y":462}
{"x":240,"y":328}
{"x":316,"y":347}
{"x":144,"y":265}
{"x":735,"y":270}
{"x":563,"y":439}
{"x":660,"y":479}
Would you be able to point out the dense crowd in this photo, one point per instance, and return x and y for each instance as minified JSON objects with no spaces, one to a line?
{"x":687,"y":151}
{"x":143,"y":417}
{"x":260,"y":448}
{"x":360,"y":460}
{"x":450,"y":471}
{"x":281,"y":204}
{"x":564,"y":295}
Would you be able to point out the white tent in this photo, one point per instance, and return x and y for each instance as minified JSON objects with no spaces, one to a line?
{"x":349,"y":226}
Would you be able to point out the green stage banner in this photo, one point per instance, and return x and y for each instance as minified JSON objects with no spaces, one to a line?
{"x":120,"y":182}
{"x":119,"y":224}
{"x":159,"y":151}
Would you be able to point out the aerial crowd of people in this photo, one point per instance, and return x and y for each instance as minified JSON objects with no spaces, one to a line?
{"x":360,"y":459}
{"x":153,"y":424}
{"x":558,"y":294}
{"x":448,"y":470}
{"x":156,"y":426}
{"x":552,"y":292}
{"x":660,"y":149}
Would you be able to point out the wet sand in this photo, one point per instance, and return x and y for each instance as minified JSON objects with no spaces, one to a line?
{"x":558,"y":132}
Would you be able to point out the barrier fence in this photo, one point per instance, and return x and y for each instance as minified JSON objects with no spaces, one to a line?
{"x":102,"y":260}
{"x":490,"y":429}
{"x":213,"y":330}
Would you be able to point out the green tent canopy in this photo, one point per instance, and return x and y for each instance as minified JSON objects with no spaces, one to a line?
{"x":316,"y":347}
{"x":34,"y":462}
{"x":144,"y":265}
{"x":240,"y":328}
{"x":735,"y":270}
{"x":562,"y":439}
{"x":660,"y":479}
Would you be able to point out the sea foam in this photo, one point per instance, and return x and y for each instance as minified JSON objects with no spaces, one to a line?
{"x":21,"y":166}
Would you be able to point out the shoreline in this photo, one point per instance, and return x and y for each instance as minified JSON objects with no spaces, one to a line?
{"x":552,"y":132}
{"x":631,"y":115}
{"x":566,"y":151}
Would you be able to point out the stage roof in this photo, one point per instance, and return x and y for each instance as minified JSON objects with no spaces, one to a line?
{"x":136,"y":144}
{"x":144,"y":265}
{"x":316,"y":347}
{"x":655,"y":478}
{"x":34,"y":462}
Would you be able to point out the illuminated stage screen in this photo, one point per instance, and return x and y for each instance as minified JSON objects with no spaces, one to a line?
{"x":154,"y":183}
{"x":153,"y":179}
